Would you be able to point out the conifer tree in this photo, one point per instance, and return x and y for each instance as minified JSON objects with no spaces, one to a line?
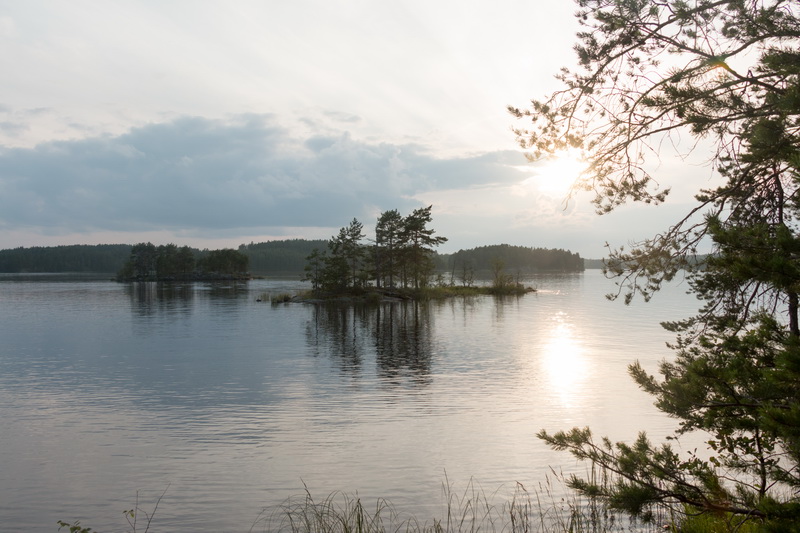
{"x":419,"y":243}
{"x":347,"y":248}
{"x":388,"y":245}
{"x":726,"y":72}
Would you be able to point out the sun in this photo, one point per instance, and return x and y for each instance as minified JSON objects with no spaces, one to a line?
{"x":558,"y":173}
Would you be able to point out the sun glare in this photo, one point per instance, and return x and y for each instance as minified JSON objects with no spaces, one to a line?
{"x":558,"y":173}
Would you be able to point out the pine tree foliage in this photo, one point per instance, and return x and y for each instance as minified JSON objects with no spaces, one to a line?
{"x":653,"y":72}
{"x":402,"y":254}
{"x":725,"y":74}
{"x":420,"y":241}
{"x":388,"y":247}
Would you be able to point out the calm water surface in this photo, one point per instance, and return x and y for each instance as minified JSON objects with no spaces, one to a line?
{"x":108,"y":390}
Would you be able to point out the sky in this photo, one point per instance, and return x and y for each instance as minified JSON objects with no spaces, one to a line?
{"x":213,"y":124}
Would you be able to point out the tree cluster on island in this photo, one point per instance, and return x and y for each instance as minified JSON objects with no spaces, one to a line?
{"x":401,"y":255}
{"x":724,"y":74}
{"x":148,"y":262}
{"x":400,"y":260}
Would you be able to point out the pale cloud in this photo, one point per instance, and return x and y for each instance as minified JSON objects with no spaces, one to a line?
{"x":439,"y":73}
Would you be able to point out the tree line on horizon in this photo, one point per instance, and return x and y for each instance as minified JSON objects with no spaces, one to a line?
{"x":284,"y":257}
{"x":66,"y":258}
{"x":520,"y":258}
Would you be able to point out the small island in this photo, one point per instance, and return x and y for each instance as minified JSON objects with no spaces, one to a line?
{"x":148,"y":262}
{"x":399,"y":264}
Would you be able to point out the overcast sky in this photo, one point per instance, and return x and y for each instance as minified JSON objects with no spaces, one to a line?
{"x":215,"y":124}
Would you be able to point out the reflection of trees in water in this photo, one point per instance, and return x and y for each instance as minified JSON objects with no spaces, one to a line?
{"x":401,"y":335}
{"x":154,"y":305}
{"x":339,"y":329}
{"x":503,"y":303}
{"x":226,"y":290}
{"x":149,"y":298}
{"x":463,"y":308}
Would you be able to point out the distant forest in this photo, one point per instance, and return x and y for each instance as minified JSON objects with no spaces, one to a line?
{"x":72,"y":258}
{"x":288,"y":257}
{"x":513,"y":258}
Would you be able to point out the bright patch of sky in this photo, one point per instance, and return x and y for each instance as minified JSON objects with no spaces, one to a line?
{"x":215,"y":124}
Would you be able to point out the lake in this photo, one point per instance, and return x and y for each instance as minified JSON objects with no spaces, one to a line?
{"x":109,"y":392}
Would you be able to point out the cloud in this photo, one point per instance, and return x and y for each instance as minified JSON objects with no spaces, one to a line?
{"x":195,"y":174}
{"x":214,"y":183}
{"x":12,"y":128}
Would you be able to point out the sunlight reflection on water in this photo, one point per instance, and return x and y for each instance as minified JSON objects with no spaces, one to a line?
{"x":564,"y":362}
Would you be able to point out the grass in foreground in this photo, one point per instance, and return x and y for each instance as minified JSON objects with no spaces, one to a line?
{"x":547,"y":509}
{"x":469,"y":512}
{"x":550,"y":508}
